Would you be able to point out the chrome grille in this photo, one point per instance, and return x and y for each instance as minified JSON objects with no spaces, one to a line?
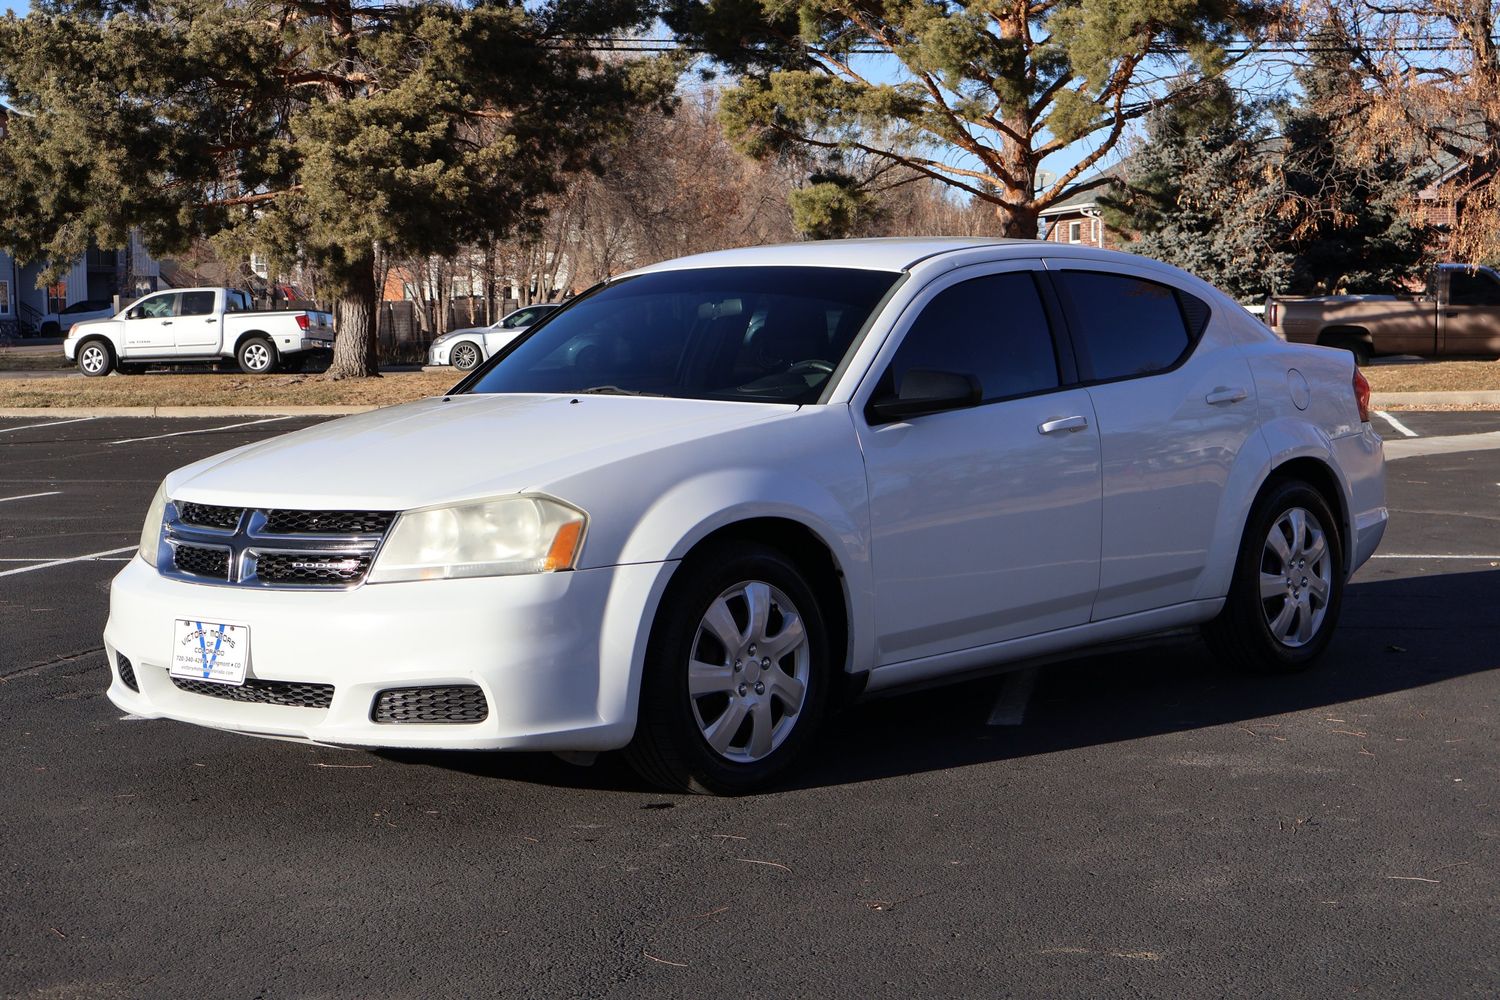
{"x":328,"y":522}
{"x":458,"y":703}
{"x":209,"y":516}
{"x":288,"y":549}
{"x":198,"y":561}
{"x":290,"y":694}
{"x":280,"y":567}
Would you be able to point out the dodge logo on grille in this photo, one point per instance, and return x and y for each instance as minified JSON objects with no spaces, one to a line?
{"x":343,"y":565}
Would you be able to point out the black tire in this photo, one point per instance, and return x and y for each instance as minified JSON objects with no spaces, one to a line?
{"x":95,"y":358}
{"x":669,"y":748}
{"x":256,"y":356}
{"x":1242,"y":634}
{"x":294,"y":363}
{"x":465,"y":356}
{"x":1354,"y":344}
{"x":49,"y":329}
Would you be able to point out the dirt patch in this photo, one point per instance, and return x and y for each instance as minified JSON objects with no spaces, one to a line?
{"x":225,"y":390}
{"x":1434,"y":376}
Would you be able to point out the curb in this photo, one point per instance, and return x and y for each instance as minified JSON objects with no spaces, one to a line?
{"x":183,"y":411}
{"x":1419,"y":399}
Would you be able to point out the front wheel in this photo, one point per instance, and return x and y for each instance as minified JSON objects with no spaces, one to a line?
{"x":465,"y":356}
{"x":256,"y":356}
{"x":737,"y":674}
{"x":95,"y":359}
{"x":1288,"y":584}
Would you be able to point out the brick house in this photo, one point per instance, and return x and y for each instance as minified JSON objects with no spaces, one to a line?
{"x":1077,"y":219}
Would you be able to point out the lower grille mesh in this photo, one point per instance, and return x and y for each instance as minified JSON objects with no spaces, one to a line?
{"x":312,"y":568}
{"x":201,"y":561}
{"x":127,"y":672}
{"x":461,"y":703}
{"x":291,"y":694}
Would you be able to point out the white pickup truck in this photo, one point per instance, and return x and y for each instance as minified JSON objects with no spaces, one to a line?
{"x":198,"y":324}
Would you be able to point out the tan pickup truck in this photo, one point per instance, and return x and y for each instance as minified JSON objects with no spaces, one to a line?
{"x":1458,"y":314}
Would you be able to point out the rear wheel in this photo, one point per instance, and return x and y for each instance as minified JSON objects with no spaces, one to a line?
{"x":1288,"y":584}
{"x":736,"y":678}
{"x":1354,"y":344}
{"x":95,"y":358}
{"x":256,"y":356}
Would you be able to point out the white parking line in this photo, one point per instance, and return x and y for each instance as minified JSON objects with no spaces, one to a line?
{"x":50,"y":423}
{"x":37,"y":559}
{"x":1015,"y":695}
{"x":202,"y":430}
{"x":1407,"y":555}
{"x":62,"y":562}
{"x":1398,"y":425}
{"x":28,"y":496}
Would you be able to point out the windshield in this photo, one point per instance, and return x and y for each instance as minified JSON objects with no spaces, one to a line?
{"x":767,"y":334}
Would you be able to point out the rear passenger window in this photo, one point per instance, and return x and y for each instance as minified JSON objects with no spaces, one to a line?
{"x":196,"y":304}
{"x":993,"y":328}
{"x":1127,"y":326}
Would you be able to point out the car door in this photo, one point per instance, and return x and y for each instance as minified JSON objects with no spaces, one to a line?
{"x":148,"y":326}
{"x":1471,"y":317}
{"x":197,"y":322}
{"x":984,"y":521}
{"x":1175,"y":403}
{"x":508,"y":329}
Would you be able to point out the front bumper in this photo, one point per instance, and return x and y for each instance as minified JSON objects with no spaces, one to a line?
{"x":557,"y":655}
{"x":437,"y":354}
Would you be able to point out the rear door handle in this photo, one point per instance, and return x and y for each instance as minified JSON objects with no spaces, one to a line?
{"x":210,"y":321}
{"x":1075,"y":423}
{"x":1224,"y":394}
{"x":166,"y":322}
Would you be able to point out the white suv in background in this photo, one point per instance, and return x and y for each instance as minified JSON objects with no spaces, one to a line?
{"x":709,"y":498}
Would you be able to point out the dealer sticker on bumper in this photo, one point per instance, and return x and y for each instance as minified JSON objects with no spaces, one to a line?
{"x":210,"y":651}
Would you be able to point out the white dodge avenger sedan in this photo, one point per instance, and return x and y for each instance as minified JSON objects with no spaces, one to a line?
{"x":697,"y":508}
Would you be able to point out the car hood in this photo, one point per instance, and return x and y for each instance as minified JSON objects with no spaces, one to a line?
{"x":468,"y":330}
{"x":456,"y":448}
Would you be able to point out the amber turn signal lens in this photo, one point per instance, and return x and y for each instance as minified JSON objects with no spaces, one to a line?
{"x":564,"y":547}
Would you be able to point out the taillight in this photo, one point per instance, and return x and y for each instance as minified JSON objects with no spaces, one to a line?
{"x":302,"y":320}
{"x":1362,"y":395}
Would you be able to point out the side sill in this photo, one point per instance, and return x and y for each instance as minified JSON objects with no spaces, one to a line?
{"x":1016,"y":653}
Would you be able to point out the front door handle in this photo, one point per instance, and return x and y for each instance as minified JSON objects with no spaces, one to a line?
{"x":210,"y":321}
{"x":166,"y":322}
{"x":1224,"y":394}
{"x":1076,"y":423}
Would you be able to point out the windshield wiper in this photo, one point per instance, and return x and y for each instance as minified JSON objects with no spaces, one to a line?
{"x":614,"y":390}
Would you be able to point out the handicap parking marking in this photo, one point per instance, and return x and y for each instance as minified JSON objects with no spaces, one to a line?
{"x":1399,"y":427}
{"x":28,"y":496}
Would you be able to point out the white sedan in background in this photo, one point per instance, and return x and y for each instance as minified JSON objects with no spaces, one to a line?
{"x":465,"y":349}
{"x":711,"y":498}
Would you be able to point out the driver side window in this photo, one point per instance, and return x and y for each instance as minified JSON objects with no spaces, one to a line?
{"x":156,"y":307}
{"x":994,"y":328}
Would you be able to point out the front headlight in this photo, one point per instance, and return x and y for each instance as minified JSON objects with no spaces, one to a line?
{"x":504,"y":537}
{"x":151,"y":530}
{"x":440,"y":340}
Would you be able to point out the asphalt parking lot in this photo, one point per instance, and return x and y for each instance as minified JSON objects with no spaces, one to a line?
{"x":1144,"y":824}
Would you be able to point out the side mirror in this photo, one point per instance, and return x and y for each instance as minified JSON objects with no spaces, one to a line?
{"x":922,"y":392}
{"x":134,"y":313}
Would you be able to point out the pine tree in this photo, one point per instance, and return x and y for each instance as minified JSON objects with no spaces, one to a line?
{"x":1345,"y":216}
{"x":1200,"y":193}
{"x":972,"y":93}
{"x":309,"y":130}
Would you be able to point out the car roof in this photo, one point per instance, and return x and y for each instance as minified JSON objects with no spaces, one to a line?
{"x":886,"y":254}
